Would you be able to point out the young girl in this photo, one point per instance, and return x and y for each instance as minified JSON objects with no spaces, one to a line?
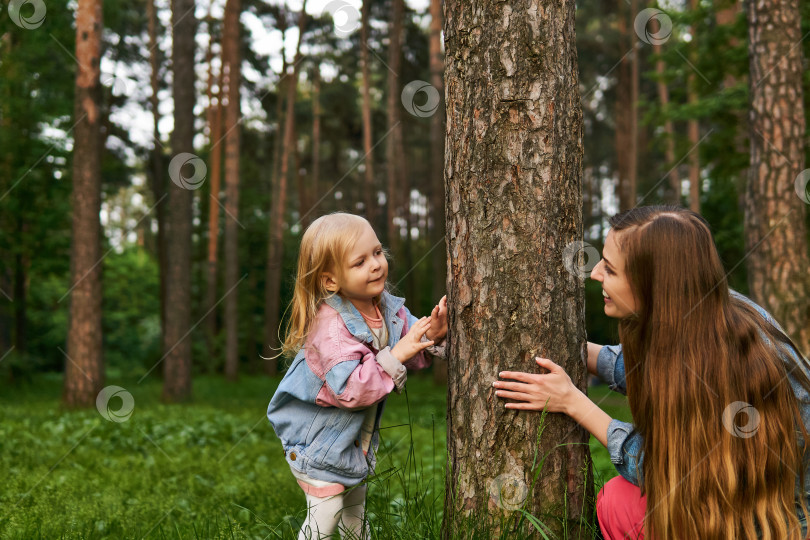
{"x":352,"y":342}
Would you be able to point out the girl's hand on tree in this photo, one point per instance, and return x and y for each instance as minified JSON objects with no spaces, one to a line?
{"x":532,"y":391}
{"x":438,"y":321}
{"x":412,"y":343}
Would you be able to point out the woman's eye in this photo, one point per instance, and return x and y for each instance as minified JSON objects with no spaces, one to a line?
{"x":379,"y":252}
{"x":359,"y":264}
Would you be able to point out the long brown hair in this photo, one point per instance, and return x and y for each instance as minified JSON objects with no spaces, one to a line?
{"x":695,"y":357}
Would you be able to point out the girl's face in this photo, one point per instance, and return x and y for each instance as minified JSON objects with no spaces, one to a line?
{"x":363,"y":274}
{"x":610,"y":272}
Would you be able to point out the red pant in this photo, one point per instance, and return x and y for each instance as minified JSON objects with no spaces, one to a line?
{"x":620,"y":508}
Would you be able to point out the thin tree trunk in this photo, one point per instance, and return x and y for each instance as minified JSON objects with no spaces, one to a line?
{"x":369,"y":192}
{"x":633,"y":110}
{"x":693,"y":127}
{"x":84,"y":365}
{"x":775,"y":213}
{"x":315,"y":182}
{"x":232,"y":143}
{"x":669,"y":130}
{"x":276,"y":252}
{"x":214,"y":116}
{"x":158,"y":179}
{"x":436,"y":177}
{"x":513,"y":174}
{"x":624,"y":113}
{"x":393,"y":143}
{"x":177,"y":340}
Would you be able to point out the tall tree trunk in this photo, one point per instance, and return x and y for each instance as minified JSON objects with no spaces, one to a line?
{"x":177,"y":340}
{"x":393,"y":144}
{"x":693,"y":127}
{"x":232,"y":142}
{"x":369,"y":191}
{"x":436,"y":177}
{"x":214,"y":120}
{"x":84,"y":365}
{"x":275,"y":257}
{"x":624,"y":113}
{"x":669,"y":130}
{"x":774,"y":213}
{"x":513,"y":174}
{"x":315,"y":182}
{"x":633,"y":148}
{"x":157,"y":177}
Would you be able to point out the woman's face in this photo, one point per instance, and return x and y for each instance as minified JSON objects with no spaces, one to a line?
{"x":610,"y":272}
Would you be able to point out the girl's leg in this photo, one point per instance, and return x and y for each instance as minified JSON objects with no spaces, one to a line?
{"x":354,"y":506}
{"x":323,"y":514}
{"x":620,"y":508}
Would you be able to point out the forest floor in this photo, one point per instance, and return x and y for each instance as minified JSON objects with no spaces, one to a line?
{"x":211,"y":468}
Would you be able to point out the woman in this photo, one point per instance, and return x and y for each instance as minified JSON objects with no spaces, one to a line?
{"x":719,"y":395}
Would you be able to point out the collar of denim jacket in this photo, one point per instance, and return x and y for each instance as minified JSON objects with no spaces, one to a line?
{"x":354,"y":321}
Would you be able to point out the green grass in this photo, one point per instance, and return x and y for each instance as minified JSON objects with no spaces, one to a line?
{"x":212,"y":468}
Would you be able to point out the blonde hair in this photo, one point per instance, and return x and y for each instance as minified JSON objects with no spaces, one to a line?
{"x":324,"y":248}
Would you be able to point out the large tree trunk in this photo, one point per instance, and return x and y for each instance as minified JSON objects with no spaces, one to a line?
{"x":513,"y":179}
{"x":232,"y":142}
{"x":436,"y":178}
{"x":275,"y":256}
{"x":84,"y":365}
{"x":214,"y":120}
{"x":774,"y":212}
{"x":177,"y":340}
{"x":369,"y":193}
{"x":393,"y":144}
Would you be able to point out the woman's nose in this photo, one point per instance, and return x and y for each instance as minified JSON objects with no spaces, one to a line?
{"x":596,"y":273}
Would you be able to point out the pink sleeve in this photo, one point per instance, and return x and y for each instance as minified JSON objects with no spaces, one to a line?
{"x":366,"y":384}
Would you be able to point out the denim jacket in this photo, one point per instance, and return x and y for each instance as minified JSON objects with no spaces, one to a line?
{"x":624,"y":443}
{"x":318,"y":408}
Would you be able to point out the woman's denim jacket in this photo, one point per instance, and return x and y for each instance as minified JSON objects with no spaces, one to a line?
{"x":624,"y":443}
{"x":319,"y":406}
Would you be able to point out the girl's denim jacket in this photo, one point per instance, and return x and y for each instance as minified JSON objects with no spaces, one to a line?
{"x":318,"y":408}
{"x":624,"y":443}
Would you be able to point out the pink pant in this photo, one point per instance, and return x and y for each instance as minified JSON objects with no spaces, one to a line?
{"x":620,"y":508}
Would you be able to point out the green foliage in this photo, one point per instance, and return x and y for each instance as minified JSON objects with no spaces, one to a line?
{"x":209,"y":469}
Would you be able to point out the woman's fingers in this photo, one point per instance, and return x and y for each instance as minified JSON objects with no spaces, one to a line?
{"x":514,"y":386}
{"x":517,"y":376}
{"x":523,"y":406}
{"x":519,"y":396}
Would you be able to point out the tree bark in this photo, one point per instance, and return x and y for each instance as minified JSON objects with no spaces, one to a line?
{"x":315,"y":181}
{"x":369,"y":193}
{"x":232,"y":143}
{"x":177,"y":339}
{"x":513,"y":178}
{"x":774,"y":213}
{"x":669,"y":130}
{"x":436,"y":178}
{"x":276,"y":252}
{"x":624,"y":114}
{"x":84,"y":365}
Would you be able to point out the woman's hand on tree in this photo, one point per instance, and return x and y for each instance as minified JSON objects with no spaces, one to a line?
{"x":533,"y":391}
{"x":412,"y":344}
{"x":438,"y":321}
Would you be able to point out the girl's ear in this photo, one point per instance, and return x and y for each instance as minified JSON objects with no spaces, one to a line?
{"x":329,"y":282}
